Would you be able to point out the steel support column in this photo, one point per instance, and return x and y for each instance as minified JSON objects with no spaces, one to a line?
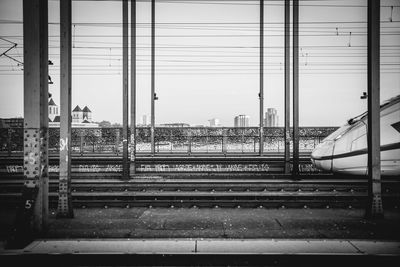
{"x":261,"y":94}
{"x":125,"y":110}
{"x":36,"y":118}
{"x":374,"y":206}
{"x":32,"y":215}
{"x":287,"y":86}
{"x":153,"y":14}
{"x":295,"y":87}
{"x":133,"y":88}
{"x":64,"y":191}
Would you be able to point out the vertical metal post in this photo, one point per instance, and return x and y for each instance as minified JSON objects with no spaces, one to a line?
{"x":287,"y":87}
{"x":261,"y":94}
{"x":133,"y":88}
{"x":374,"y":204}
{"x":153,"y":11}
{"x":295,"y":87}
{"x":125,"y":160}
{"x":64,"y":191}
{"x":36,"y":107}
{"x":32,"y":216}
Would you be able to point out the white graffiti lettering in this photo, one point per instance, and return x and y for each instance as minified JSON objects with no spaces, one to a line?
{"x":113,"y":168}
{"x":89,"y":168}
{"x":54,"y":168}
{"x":14,"y":168}
{"x":204,"y":168}
{"x":64,"y":144}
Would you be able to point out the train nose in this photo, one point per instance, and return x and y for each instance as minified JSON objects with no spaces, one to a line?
{"x":321,"y":156}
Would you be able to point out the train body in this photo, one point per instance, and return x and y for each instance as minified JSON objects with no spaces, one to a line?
{"x":345,"y":150}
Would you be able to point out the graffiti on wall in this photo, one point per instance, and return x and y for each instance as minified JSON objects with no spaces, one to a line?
{"x":160,"y":168}
{"x":203,"y":168}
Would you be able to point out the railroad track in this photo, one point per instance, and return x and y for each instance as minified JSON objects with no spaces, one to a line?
{"x":216,"y":193}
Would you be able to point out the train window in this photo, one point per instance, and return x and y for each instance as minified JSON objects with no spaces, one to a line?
{"x":359,"y":131}
{"x":359,"y":143}
{"x":344,"y":143}
{"x":338,"y":133}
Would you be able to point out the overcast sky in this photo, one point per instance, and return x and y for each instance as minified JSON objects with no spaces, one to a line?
{"x":207,"y":59}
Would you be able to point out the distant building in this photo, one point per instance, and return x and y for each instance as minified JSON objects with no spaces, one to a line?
{"x":145,"y":120}
{"x":242,"y":121}
{"x":87,"y":114}
{"x":271,"y":118}
{"x":178,"y":124}
{"x":53,"y":110}
{"x":77,"y":114}
{"x":214,"y":122}
{"x":80,"y":117}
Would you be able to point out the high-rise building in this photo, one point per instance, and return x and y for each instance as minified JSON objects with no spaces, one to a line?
{"x":145,"y":120}
{"x":271,"y":118}
{"x":242,"y":121}
{"x":214,"y":122}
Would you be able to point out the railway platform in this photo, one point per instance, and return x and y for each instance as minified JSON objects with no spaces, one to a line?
{"x":209,"y":252}
{"x":190,"y":236}
{"x":231,"y":223}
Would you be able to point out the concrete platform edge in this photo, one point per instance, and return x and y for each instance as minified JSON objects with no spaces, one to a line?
{"x":209,"y":246}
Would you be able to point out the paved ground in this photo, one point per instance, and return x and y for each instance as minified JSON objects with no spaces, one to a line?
{"x":208,"y":246}
{"x":218,"y":223}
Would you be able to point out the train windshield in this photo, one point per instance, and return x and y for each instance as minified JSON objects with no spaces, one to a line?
{"x":338,"y":133}
{"x":351,"y":123}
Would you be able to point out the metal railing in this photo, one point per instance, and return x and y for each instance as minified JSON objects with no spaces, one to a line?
{"x":171,"y":140}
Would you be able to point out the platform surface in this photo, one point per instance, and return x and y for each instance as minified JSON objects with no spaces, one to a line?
{"x":217,"y":223}
{"x":211,"y":237}
{"x":210,"y":246}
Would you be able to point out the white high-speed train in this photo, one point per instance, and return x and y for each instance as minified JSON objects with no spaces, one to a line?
{"x":345,"y":150}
